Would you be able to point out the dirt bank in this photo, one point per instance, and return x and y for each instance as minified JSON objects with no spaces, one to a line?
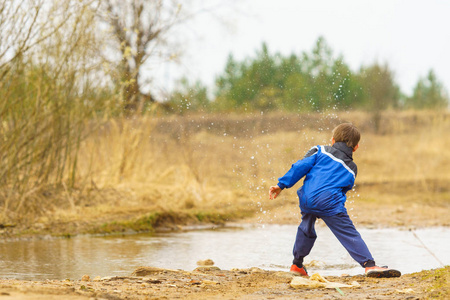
{"x":152,"y":283}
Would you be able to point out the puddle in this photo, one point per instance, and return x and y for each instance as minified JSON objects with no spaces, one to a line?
{"x":268,"y":247}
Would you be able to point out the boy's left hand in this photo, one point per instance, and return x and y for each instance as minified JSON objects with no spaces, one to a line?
{"x":274,"y":191}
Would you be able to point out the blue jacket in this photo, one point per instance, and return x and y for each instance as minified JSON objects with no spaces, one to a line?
{"x":330,"y":174}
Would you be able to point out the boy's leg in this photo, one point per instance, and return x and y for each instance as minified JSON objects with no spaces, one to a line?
{"x":304,"y":241}
{"x":344,"y":230}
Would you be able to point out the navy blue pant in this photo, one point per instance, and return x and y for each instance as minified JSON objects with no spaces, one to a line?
{"x":344,"y":230}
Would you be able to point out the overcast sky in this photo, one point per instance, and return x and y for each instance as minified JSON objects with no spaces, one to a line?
{"x":412,"y":36}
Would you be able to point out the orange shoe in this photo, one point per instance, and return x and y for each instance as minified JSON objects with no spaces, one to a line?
{"x":382,"y":272}
{"x":299,"y":271}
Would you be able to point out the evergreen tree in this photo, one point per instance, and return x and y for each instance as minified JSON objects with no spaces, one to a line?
{"x":429,"y":93}
{"x":188,"y":97}
{"x":380,"y":91}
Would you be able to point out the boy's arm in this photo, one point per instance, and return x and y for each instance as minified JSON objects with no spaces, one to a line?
{"x":297,"y":171}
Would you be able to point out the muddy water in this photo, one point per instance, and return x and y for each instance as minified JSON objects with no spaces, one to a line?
{"x":268,"y":247}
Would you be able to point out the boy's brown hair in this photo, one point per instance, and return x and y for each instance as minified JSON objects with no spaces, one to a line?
{"x":347,"y":133}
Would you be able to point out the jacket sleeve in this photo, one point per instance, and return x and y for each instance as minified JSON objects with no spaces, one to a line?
{"x":297,"y":171}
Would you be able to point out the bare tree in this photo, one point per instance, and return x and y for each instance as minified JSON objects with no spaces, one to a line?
{"x":140,"y":31}
{"x":24,"y":26}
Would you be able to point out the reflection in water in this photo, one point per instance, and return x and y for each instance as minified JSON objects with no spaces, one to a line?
{"x":268,"y":247}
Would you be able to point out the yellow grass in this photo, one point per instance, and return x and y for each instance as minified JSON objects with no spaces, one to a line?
{"x":225,"y":164}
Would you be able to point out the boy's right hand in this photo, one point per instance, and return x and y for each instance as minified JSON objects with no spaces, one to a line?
{"x":274,"y":191}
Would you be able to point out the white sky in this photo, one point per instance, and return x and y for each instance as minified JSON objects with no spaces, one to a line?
{"x":412,"y":36}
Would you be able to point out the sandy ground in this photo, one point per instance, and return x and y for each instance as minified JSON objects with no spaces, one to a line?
{"x":152,"y":283}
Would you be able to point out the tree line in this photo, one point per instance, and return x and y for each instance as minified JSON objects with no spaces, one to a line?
{"x":312,"y":81}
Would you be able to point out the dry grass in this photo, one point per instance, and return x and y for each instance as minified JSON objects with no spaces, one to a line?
{"x":409,"y":164}
{"x":224,"y":165}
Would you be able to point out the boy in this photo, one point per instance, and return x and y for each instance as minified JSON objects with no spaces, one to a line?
{"x":330,"y":172}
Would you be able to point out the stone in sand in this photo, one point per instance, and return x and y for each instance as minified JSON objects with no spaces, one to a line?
{"x":206,"y":262}
{"x":85,"y":278}
{"x":144,"y":271}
